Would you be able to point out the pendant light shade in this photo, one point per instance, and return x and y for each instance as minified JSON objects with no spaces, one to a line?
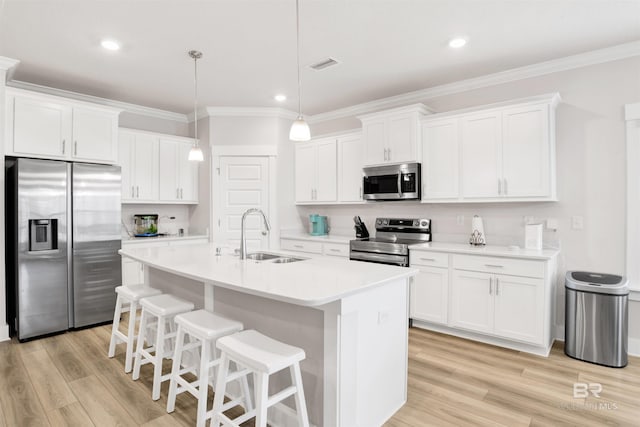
{"x":195,"y":154}
{"x":299,"y":129}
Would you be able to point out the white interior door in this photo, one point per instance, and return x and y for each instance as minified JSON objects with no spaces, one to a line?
{"x":244,"y":184}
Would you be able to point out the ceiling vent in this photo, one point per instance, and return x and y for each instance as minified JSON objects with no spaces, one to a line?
{"x":325,"y":63}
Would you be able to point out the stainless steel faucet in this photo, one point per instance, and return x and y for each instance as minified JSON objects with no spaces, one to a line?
{"x":243,"y":243}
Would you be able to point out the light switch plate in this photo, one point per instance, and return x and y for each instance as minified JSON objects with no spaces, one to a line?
{"x":460,"y":219}
{"x":552,"y":224}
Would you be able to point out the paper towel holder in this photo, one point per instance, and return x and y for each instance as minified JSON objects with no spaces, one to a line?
{"x":477,"y":234}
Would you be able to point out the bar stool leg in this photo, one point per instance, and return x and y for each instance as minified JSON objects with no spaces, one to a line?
{"x":133,"y":307}
{"x":177,"y":360}
{"x":221,"y":384}
{"x":159,"y":355}
{"x":262,"y":398}
{"x":140,"y":344}
{"x":301,"y":406}
{"x":203,"y":383}
{"x":114,"y":328}
{"x":244,"y":383}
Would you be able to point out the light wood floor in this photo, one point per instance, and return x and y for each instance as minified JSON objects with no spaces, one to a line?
{"x":67,"y":380}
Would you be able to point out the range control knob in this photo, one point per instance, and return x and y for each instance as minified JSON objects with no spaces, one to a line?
{"x":385,"y":222}
{"x":424,"y":223}
{"x":416,"y":223}
{"x":379,"y":222}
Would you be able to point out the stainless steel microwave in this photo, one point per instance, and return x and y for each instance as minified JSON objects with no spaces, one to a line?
{"x":392,"y":182}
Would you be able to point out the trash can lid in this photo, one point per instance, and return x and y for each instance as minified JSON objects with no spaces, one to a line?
{"x":597,"y":282}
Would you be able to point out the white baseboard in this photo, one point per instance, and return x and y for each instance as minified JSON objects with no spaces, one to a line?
{"x":559,"y":333}
{"x":4,"y":332}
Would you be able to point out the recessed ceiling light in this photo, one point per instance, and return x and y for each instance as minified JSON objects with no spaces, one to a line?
{"x":457,"y":42}
{"x":110,"y":44}
{"x":280,"y":98}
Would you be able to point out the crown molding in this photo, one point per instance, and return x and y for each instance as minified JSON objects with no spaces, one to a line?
{"x":7,"y":63}
{"x":594,"y":57}
{"x":124,"y":106}
{"x":249,"y":112}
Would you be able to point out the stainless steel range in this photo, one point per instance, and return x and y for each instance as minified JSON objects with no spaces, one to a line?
{"x":392,"y":240}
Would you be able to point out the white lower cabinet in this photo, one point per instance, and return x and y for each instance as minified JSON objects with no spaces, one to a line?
{"x":429,"y":295}
{"x":499,"y":300}
{"x":505,"y":306}
{"x":310,"y":246}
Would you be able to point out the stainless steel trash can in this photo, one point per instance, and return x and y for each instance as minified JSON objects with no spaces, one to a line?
{"x":596,"y":318}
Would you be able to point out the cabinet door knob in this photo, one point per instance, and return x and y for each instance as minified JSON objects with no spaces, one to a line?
{"x":181,"y":193}
{"x":137,"y":191}
{"x":499,"y":186}
{"x":494,"y":265}
{"x":177,"y":193}
{"x":504,"y":186}
{"x":75,"y":148}
{"x":497,"y":286}
{"x":490,"y":284}
{"x":64,"y":145}
{"x":133,"y":194}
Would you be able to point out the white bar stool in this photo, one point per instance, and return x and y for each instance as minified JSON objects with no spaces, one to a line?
{"x":206,"y":328}
{"x":128,"y":295}
{"x":262,"y":356}
{"x":164,"y":308}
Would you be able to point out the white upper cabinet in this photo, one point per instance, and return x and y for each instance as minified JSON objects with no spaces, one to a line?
{"x":179,"y":176}
{"x":440,"y":141}
{"x":138,"y":158}
{"x":526,"y":146}
{"x":350,"y":163}
{"x":505,"y":152}
{"x":481,"y":155}
{"x":393,"y":136}
{"x":316,"y":171}
{"x":93,"y":134}
{"x":51,"y":127}
{"x":156,"y":169}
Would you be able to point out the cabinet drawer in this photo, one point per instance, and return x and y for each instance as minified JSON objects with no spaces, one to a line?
{"x":301,"y":246}
{"x":336,"y":249}
{"x":510,"y":266}
{"x":431,"y":259}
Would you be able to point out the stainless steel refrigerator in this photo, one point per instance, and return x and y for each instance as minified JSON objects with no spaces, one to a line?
{"x":62,"y":236}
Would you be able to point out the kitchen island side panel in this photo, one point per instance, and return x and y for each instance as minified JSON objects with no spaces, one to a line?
{"x":293,"y":324}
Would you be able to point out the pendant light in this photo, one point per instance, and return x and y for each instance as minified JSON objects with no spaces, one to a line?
{"x":195,"y":154}
{"x":299,"y":129}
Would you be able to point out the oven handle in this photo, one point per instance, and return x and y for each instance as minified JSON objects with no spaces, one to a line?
{"x":383,"y":259}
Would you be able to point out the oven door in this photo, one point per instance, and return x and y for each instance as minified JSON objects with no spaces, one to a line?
{"x":400,"y":260}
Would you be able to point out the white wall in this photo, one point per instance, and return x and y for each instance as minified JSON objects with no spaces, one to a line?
{"x":591,"y":172}
{"x":200,"y":214}
{"x":4,"y":329}
{"x":153,"y":124}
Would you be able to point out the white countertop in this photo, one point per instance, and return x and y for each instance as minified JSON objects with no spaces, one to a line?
{"x":488,"y":250}
{"x":329,"y":238}
{"x":312,"y":282}
{"x":126,"y":240}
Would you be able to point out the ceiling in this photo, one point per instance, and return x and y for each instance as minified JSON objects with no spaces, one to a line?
{"x":385,"y":47}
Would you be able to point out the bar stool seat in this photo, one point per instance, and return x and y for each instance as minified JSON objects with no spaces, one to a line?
{"x":128,"y":295}
{"x":262,"y":356}
{"x":164,"y":308}
{"x":205,"y":328}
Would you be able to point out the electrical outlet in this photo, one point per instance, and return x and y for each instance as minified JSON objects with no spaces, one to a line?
{"x":460,"y":219}
{"x":552,"y":224}
{"x":527,"y":219}
{"x":577,"y":222}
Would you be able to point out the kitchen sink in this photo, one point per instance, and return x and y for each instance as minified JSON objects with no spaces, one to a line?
{"x":286,"y":260}
{"x":262,"y":256}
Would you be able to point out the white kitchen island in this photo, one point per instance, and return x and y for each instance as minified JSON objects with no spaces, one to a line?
{"x":350,"y":317}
